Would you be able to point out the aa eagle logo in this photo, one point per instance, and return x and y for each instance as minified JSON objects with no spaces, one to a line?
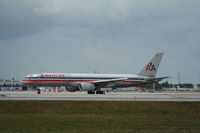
{"x":150,"y":67}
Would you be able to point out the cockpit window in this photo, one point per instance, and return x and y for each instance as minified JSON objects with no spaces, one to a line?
{"x":31,"y":76}
{"x":28,"y":77}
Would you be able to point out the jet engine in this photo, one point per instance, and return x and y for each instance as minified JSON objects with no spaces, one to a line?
{"x":72,"y":88}
{"x":85,"y":86}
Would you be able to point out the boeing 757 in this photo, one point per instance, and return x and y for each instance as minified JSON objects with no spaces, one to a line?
{"x":92,"y":83}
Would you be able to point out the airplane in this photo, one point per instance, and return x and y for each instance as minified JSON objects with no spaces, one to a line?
{"x":92,"y":83}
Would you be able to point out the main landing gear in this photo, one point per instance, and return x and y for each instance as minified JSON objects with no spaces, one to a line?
{"x":100,"y":92}
{"x":96,"y":92}
{"x":38,"y":91}
{"x":91,"y":92}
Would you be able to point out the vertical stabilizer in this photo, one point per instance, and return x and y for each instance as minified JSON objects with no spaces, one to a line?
{"x":151,"y":68}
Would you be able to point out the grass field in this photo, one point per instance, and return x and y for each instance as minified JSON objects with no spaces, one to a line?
{"x":99,"y":117}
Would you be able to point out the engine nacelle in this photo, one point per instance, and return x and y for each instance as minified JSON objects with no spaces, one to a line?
{"x":72,"y":88}
{"x":85,"y":86}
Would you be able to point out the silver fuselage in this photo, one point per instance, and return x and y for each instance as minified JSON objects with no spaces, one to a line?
{"x":69,"y":79}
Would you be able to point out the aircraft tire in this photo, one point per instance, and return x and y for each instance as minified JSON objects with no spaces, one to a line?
{"x":39,"y":91}
{"x":91,"y":92}
{"x":100,"y":92}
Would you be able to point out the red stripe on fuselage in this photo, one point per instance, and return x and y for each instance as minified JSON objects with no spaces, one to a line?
{"x":60,"y":80}
{"x":78,"y":80}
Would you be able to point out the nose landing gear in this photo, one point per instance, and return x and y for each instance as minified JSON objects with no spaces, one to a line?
{"x":38,"y":91}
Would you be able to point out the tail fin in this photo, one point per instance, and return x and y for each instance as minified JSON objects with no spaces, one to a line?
{"x":151,"y":68}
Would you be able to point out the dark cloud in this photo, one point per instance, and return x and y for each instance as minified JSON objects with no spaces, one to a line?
{"x":18,"y":19}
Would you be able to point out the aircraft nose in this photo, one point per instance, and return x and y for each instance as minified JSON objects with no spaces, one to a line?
{"x":25,"y":82}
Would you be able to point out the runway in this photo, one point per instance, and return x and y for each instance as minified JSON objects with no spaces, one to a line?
{"x":109,"y":96}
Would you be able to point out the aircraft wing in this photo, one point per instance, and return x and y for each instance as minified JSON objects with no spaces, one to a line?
{"x":156,"y":79}
{"x":108,"y":81}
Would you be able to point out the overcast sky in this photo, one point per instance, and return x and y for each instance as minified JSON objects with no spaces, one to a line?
{"x":109,"y":36}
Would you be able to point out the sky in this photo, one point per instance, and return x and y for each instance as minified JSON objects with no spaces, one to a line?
{"x":102,"y":36}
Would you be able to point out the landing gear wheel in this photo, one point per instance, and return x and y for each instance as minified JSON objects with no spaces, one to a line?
{"x":100,"y":92}
{"x":91,"y":92}
{"x":38,"y":91}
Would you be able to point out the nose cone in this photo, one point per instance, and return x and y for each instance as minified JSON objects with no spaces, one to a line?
{"x":25,"y":82}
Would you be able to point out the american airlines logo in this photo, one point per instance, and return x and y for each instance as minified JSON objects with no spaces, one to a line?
{"x":52,"y":75}
{"x":150,"y":67}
